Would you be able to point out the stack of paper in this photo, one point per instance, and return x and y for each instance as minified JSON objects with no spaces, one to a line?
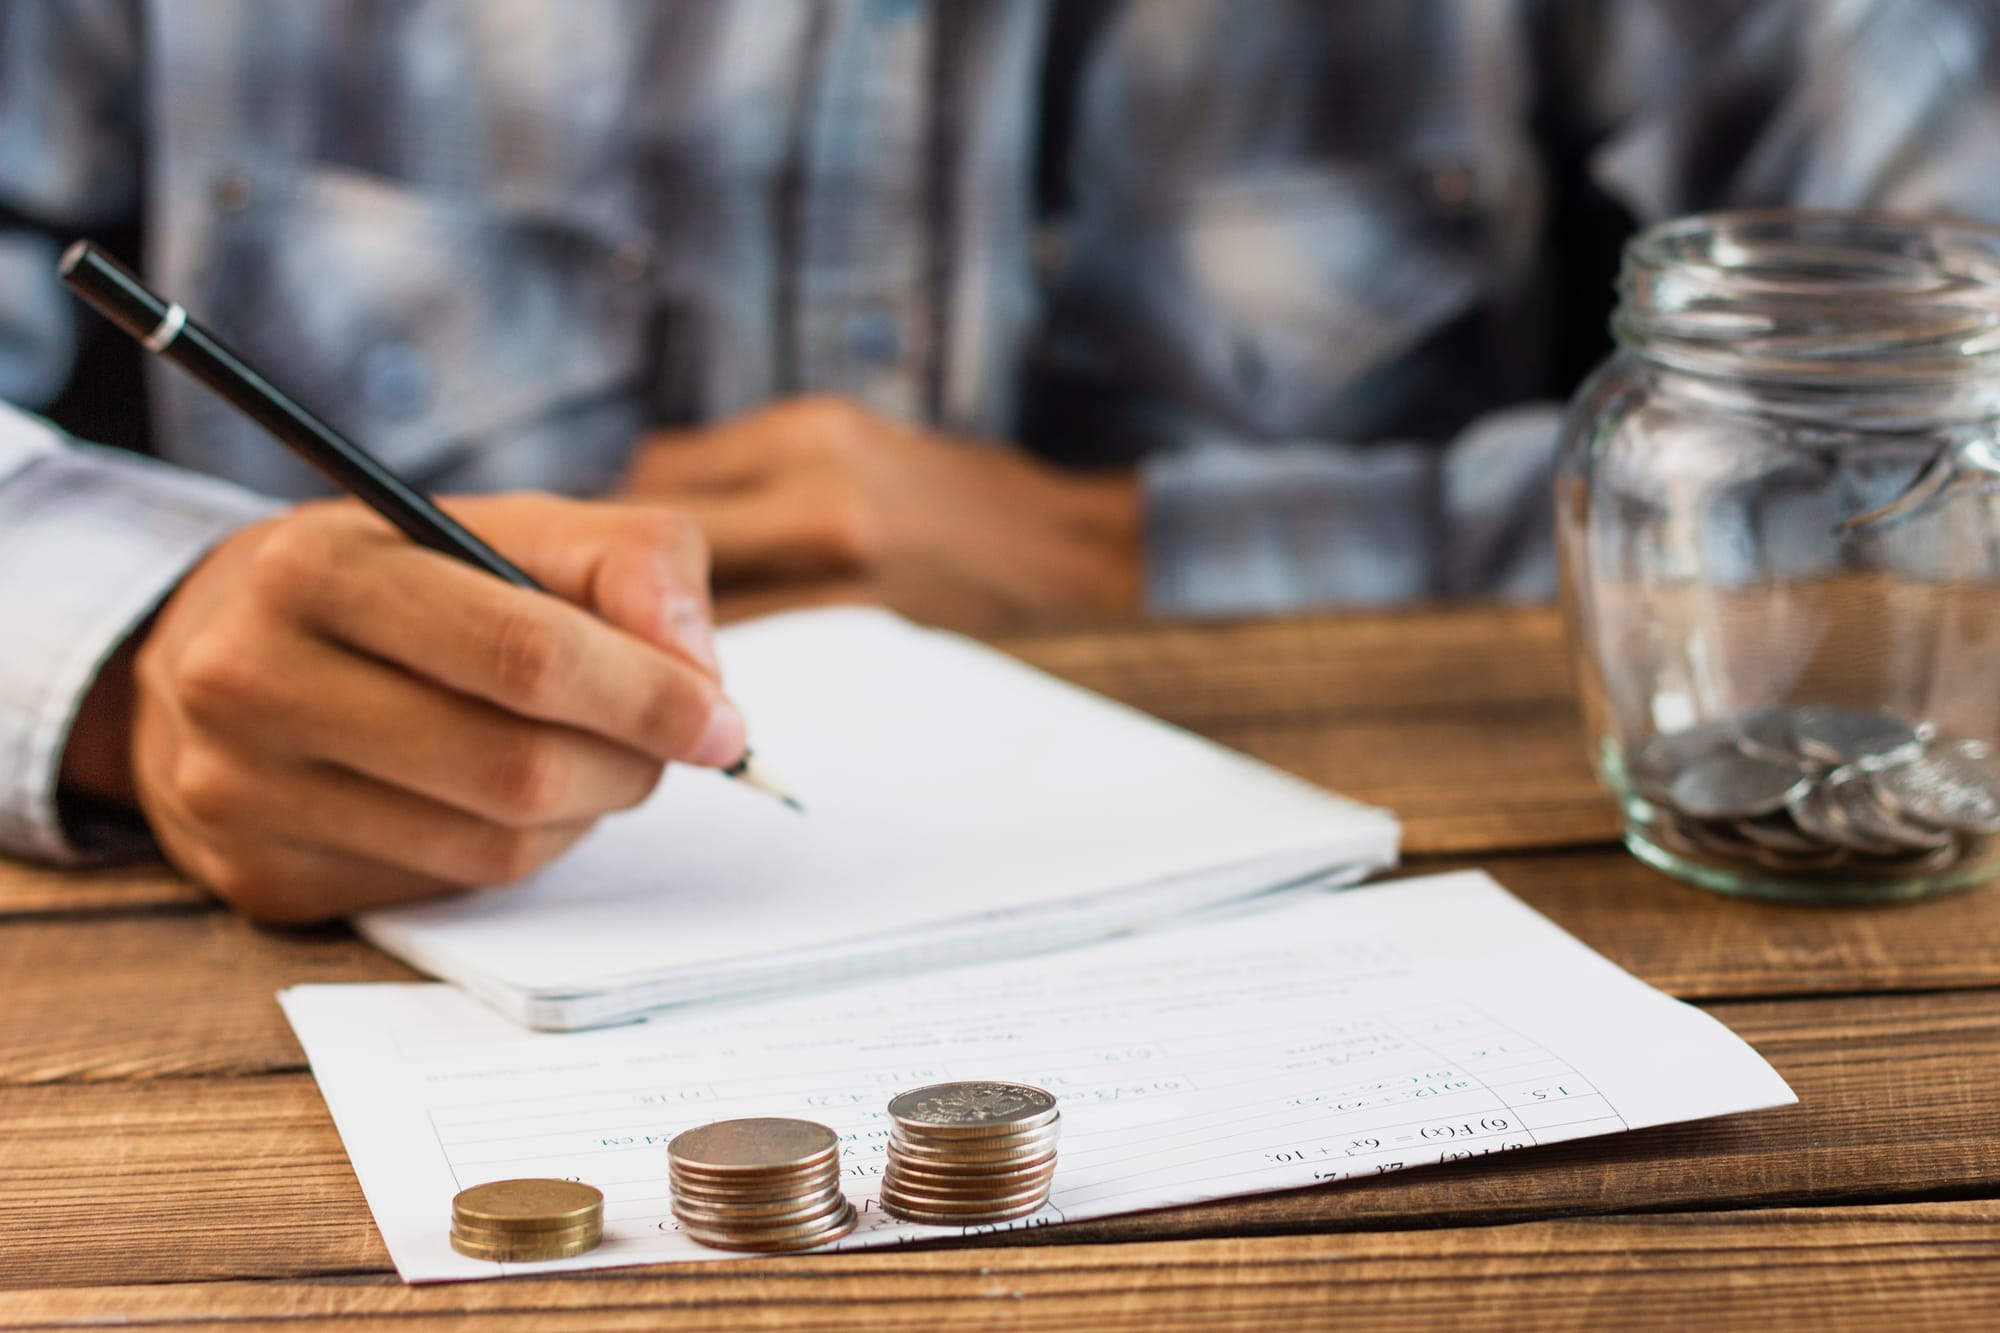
{"x":959,"y":806}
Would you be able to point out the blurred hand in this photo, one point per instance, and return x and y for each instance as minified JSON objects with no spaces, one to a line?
{"x":818,"y":500}
{"x":325,"y":717}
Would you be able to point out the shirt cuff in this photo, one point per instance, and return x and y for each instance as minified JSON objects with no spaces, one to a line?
{"x":91,"y":541}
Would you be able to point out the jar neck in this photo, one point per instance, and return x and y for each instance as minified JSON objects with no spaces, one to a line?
{"x":1859,"y":321}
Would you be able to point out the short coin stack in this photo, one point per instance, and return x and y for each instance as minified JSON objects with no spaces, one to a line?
{"x":520,"y":1221}
{"x":759,"y":1184}
{"x":962,"y":1154}
{"x":1820,"y":791}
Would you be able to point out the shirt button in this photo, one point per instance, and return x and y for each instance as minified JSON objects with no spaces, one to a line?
{"x":1454,"y":186}
{"x":394,"y":381}
{"x":874,"y":337}
{"x":1051,"y":252}
{"x":232,"y":191}
{"x":631,"y":261}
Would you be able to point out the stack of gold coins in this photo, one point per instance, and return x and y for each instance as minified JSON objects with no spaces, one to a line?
{"x":961,"y":1154}
{"x":762,"y":1184}
{"x":519,"y":1221}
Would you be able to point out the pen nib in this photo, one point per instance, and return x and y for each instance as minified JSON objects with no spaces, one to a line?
{"x":748,"y":772}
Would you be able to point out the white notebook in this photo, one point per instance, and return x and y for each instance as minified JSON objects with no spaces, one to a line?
{"x":959,"y":806}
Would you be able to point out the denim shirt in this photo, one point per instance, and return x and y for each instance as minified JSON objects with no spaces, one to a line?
{"x":1292,"y":259}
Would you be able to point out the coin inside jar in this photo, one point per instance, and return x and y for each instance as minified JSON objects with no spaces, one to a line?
{"x":1868,"y":796}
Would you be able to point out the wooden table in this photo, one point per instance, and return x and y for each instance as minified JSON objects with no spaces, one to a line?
{"x":165,"y":1159}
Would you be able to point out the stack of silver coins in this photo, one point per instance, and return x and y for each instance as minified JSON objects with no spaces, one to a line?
{"x":1819,"y":792}
{"x":963,"y":1154}
{"x":522,"y":1221}
{"x":761,"y":1184}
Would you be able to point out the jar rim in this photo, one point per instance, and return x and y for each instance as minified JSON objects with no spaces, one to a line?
{"x":1815,"y":297}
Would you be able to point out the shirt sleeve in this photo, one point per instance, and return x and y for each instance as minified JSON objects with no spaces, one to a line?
{"x":90,"y":541}
{"x":1233,"y":528}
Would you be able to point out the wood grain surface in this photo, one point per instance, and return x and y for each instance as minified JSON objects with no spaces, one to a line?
{"x":166,"y":1162}
{"x":199,"y":1179}
{"x":1790,"y":1268}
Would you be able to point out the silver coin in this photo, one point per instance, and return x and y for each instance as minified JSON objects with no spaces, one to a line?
{"x":972,"y":1110}
{"x":994,"y":1150}
{"x":1719,"y":838}
{"x":1857,"y":799}
{"x":801,"y":1238}
{"x":1944,"y":792}
{"x":993,"y":1182}
{"x":955,"y":1201}
{"x":1793,"y":863}
{"x":1736,"y":786}
{"x":1653,"y":765}
{"x":1671,"y":832}
{"x":1766,"y":733}
{"x":743,"y":1186}
{"x":947,"y":1217}
{"x":773,"y":1210}
{"x":970,"y":1170}
{"x":1823,"y":813}
{"x":753,"y":1147}
{"x":1839,"y":736}
{"x":1780,"y":835}
{"x":728,"y":1219}
{"x":1927,"y":863}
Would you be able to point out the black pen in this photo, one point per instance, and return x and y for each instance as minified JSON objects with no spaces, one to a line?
{"x":163,"y":328}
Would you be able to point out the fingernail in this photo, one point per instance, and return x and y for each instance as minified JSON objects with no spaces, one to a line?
{"x":725,"y":739}
{"x":688,"y":626}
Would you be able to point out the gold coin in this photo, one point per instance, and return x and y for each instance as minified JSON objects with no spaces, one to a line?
{"x":526,"y":1246}
{"x":527,"y":1205}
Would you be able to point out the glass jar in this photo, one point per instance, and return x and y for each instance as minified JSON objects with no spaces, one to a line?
{"x":1779,"y":520}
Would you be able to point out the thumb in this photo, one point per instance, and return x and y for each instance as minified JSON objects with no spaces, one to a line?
{"x":643,"y":568}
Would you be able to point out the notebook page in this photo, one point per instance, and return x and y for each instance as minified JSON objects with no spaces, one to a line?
{"x":942,"y":782}
{"x":1322,"y":1038}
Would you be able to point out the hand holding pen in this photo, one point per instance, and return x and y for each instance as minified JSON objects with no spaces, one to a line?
{"x":324,"y":717}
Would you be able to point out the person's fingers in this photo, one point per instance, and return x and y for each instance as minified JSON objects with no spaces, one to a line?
{"x":318,"y":807}
{"x":529,"y":653}
{"x":375,"y":720}
{"x":283,"y":884}
{"x":788,"y":532}
{"x":644,"y":568}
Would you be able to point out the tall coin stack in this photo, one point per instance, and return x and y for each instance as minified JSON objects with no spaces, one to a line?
{"x":962,"y":1154}
{"x":760,"y":1184}
{"x":520,"y":1221}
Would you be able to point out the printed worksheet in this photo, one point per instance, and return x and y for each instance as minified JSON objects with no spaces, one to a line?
{"x":1309,"y":1040}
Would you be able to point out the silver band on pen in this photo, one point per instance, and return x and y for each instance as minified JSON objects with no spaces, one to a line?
{"x":169,"y":328}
